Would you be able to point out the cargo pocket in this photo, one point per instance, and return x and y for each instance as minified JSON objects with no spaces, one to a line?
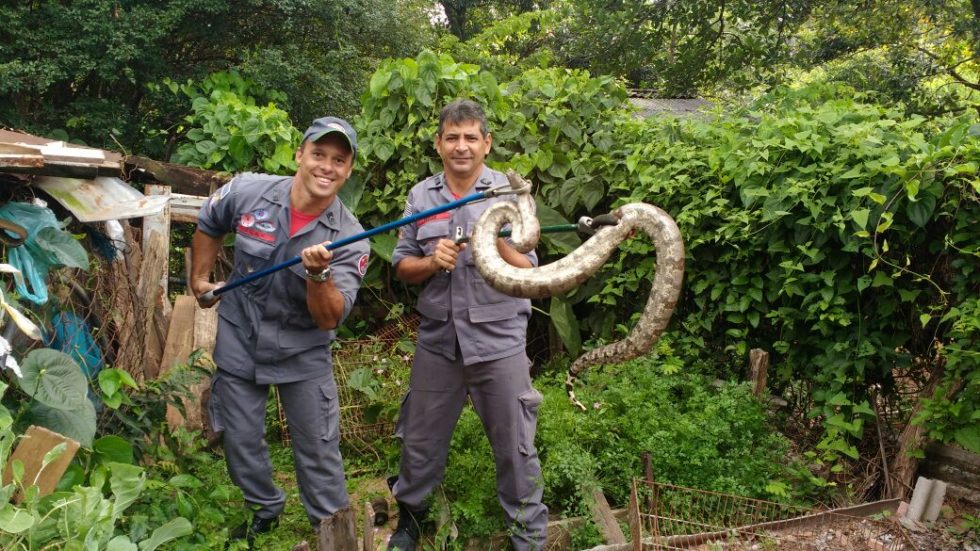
{"x":530,"y":402}
{"x":214,"y":406}
{"x":402,"y":417}
{"x":330,"y":413}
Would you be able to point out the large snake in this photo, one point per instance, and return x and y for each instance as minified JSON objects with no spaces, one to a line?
{"x":570,"y":271}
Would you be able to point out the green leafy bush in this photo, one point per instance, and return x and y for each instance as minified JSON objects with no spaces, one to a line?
{"x":717,"y":439}
{"x":228,"y":131}
{"x":834,"y":232}
{"x":83,"y":513}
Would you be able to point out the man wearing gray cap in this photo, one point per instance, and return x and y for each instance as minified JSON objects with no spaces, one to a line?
{"x":277,"y":330}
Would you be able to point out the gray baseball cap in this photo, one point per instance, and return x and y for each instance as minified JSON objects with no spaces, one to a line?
{"x":326,"y":125}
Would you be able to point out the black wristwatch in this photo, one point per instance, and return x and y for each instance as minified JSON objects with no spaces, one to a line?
{"x":320,"y":277}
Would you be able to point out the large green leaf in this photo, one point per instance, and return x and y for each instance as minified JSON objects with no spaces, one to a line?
{"x":176,"y":528}
{"x":383,"y":245}
{"x":112,"y":448}
{"x":121,"y":543}
{"x":63,"y":246}
{"x":969,"y":438}
{"x":561,"y":243}
{"x":350,"y":194}
{"x":77,"y":424}
{"x":920,"y":211}
{"x":54,"y":379}
{"x":15,"y":520}
{"x":565,"y":322}
{"x":126,"y":482}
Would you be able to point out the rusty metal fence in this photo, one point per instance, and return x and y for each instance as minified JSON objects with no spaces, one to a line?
{"x":663,"y":516}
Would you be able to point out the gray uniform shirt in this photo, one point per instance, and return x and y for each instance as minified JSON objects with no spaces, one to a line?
{"x":265,"y":330}
{"x":460,"y":305}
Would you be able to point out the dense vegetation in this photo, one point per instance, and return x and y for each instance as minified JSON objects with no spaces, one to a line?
{"x":829,"y":205}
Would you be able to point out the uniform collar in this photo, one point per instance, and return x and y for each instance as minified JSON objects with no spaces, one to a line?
{"x":278,"y":194}
{"x":330,"y":217}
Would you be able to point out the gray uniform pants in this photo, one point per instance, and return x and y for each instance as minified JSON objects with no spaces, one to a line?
{"x":507,"y":405}
{"x":237,"y":407}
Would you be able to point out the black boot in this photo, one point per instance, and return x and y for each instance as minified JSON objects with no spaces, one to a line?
{"x":409,"y":528}
{"x":248,"y":530}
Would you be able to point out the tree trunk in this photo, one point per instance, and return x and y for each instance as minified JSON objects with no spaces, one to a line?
{"x":913,"y":436}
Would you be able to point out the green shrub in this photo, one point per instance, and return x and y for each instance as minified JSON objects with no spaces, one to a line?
{"x":717,"y":439}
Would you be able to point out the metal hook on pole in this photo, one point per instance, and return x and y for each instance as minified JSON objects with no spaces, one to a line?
{"x":585,"y":226}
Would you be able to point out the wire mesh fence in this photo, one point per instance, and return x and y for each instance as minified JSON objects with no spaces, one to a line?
{"x":369,"y":373}
{"x":675,"y":517}
{"x":371,"y":376}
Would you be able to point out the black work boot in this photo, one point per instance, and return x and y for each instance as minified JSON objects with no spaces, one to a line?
{"x":248,"y":530}
{"x":409,"y":528}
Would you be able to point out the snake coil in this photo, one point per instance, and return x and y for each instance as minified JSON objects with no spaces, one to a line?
{"x":572,"y":270}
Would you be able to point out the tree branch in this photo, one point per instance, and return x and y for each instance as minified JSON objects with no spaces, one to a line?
{"x":951,"y":70}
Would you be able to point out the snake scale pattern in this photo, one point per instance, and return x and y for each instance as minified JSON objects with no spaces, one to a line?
{"x":572,"y":270}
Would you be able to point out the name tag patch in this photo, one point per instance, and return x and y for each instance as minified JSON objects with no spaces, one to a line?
{"x":433,"y":218}
{"x":252,"y":232}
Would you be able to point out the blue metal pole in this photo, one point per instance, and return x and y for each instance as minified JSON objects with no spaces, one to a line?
{"x":211,"y":296}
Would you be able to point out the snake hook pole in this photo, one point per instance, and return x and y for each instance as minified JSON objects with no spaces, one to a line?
{"x":210,"y":297}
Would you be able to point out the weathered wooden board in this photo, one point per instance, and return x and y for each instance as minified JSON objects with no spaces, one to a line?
{"x":180,"y":336}
{"x":30,"y":451}
{"x":148,"y":293}
{"x":339,"y":531}
{"x":191,"y":328}
{"x":603,"y":517}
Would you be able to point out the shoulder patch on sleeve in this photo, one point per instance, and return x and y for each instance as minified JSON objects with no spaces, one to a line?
{"x":220,"y":194}
{"x":362,"y":264}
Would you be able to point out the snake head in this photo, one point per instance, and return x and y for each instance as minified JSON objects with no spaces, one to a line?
{"x":518,"y":184}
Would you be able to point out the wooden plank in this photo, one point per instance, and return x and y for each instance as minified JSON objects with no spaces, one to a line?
{"x":124,"y":307}
{"x":811,"y":520}
{"x":205,"y":331}
{"x":158,"y":223}
{"x":148,"y":293}
{"x":12,"y":155}
{"x":636,"y":529}
{"x":367,"y":540}
{"x":180,"y":336}
{"x":338,"y":531}
{"x":182,"y":340}
{"x":603,"y":517}
{"x":759,"y":370}
{"x":951,"y":453}
{"x":185,"y":208}
{"x":205,"y":328}
{"x":31,"y":449}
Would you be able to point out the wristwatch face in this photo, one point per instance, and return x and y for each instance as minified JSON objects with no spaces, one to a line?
{"x":320,"y":277}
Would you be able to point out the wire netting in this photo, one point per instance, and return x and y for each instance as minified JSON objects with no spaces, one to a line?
{"x":371,"y":375}
{"x":675,"y":517}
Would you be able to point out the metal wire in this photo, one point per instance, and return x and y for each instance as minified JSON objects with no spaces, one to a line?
{"x":368,"y":372}
{"x":676,"y":517}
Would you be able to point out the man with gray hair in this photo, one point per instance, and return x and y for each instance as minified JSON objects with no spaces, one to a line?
{"x":471,"y":343}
